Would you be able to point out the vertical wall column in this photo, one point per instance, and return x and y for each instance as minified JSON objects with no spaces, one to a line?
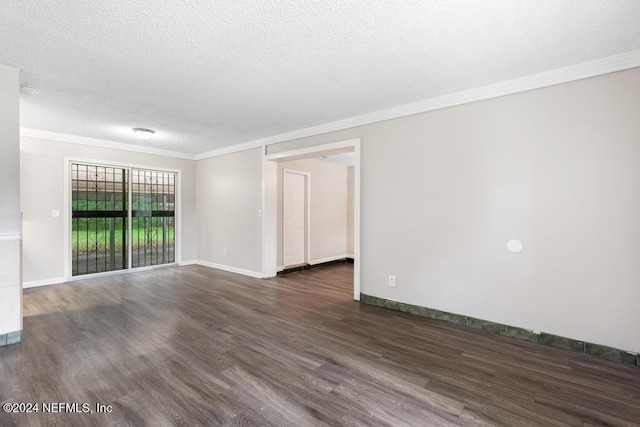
{"x":10,"y":223}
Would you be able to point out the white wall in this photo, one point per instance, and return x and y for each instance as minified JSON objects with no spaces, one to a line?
{"x":328,"y":208}
{"x":229,"y":194}
{"x":43,"y":182}
{"x":10,"y":263}
{"x":443,"y":191}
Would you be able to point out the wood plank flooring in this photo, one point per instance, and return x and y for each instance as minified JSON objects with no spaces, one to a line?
{"x":196,"y":346}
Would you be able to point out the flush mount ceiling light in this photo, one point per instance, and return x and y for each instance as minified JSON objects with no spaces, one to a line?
{"x":31,"y":90}
{"x":143,"y":133}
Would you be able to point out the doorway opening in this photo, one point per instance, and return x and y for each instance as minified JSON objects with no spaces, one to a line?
{"x":273,"y":207}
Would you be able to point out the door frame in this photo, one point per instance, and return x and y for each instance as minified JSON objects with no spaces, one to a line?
{"x":307,"y":213}
{"x":68,"y":274}
{"x":270,"y":196}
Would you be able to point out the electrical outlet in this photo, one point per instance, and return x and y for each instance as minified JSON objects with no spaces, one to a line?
{"x":224,"y":251}
{"x":392,"y":280}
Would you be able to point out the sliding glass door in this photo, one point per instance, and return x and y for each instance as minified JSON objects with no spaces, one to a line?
{"x":121,"y":218}
{"x":99,"y":219}
{"x":153,"y":218}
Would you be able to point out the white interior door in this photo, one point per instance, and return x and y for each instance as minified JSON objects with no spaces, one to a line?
{"x":293,"y":218}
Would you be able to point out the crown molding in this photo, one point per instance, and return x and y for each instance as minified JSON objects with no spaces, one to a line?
{"x":581,"y":71}
{"x":102,"y":143}
{"x":230,"y":149}
{"x":572,"y":73}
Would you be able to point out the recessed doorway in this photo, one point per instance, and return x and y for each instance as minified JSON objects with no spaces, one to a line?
{"x":272,"y":224}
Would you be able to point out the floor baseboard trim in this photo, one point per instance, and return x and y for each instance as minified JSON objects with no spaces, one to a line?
{"x":10,"y":338}
{"x":328,"y":259}
{"x":230,"y":269}
{"x":314,"y":266}
{"x":45,"y":282}
{"x":542,"y":338}
{"x":189,"y":262}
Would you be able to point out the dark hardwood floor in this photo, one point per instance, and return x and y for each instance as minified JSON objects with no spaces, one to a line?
{"x":197,"y":346}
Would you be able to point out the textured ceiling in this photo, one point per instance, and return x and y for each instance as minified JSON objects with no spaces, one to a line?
{"x":208,"y":74}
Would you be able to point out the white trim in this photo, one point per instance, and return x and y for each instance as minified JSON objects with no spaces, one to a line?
{"x":307,"y":213}
{"x":356,"y":222}
{"x":231,"y":269}
{"x":349,"y":256}
{"x":269,"y":215}
{"x":102,"y":143}
{"x":328,"y":259}
{"x":558,"y":76}
{"x":129,"y":217}
{"x":10,"y":237}
{"x":280,"y":267}
{"x":98,"y":162}
{"x":186,"y":263}
{"x":45,"y":282}
{"x":263,"y":210}
{"x":610,"y":64}
{"x":345,"y":146}
{"x":67,"y":219}
{"x":230,"y":149}
{"x":177,"y":255}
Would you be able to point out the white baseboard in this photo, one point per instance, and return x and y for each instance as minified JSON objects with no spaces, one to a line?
{"x":190,"y":262}
{"x":328,"y":259}
{"x":45,"y":282}
{"x":349,"y":256}
{"x":280,"y":267}
{"x":230,"y":269}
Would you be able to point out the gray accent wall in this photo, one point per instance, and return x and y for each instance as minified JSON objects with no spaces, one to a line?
{"x":557,"y":168}
{"x":229,"y":195}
